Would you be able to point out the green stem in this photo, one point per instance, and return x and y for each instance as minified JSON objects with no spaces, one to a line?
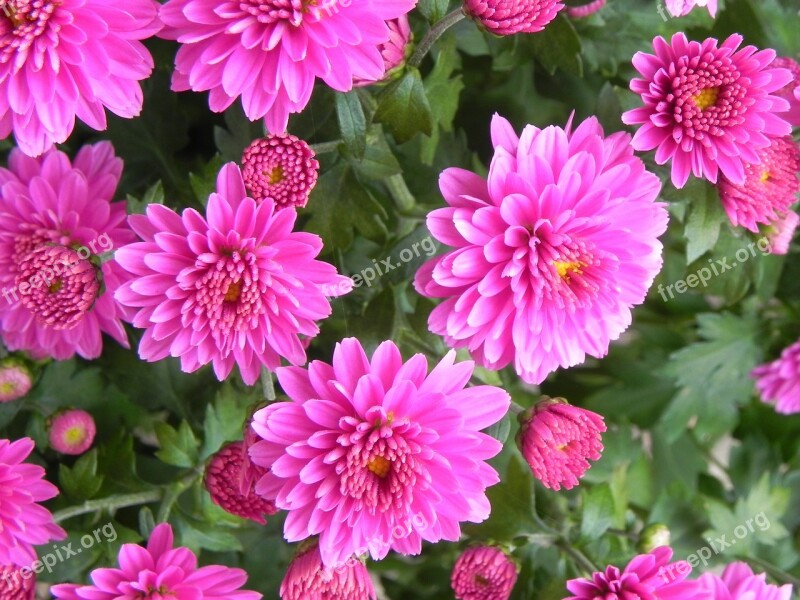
{"x":267,"y":385}
{"x":516,"y":409}
{"x":173,"y":492}
{"x":325,"y":147}
{"x":402,"y":196}
{"x":434,"y":33}
{"x":111,"y":503}
{"x":579,"y":557}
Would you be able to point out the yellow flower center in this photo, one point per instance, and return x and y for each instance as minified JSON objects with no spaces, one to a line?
{"x":234,"y":291}
{"x":74,"y":435}
{"x":708,"y":97}
{"x":7,"y":387}
{"x":764,"y":177}
{"x":565,"y":269}
{"x":275,"y":175}
{"x":55,"y":286}
{"x":380,"y":466}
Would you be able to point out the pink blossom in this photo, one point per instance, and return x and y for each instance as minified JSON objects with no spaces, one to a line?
{"x":778,"y":382}
{"x":72,"y":432}
{"x":739,"y":582}
{"x":483,"y":573}
{"x":308,"y":579}
{"x":507,"y":17}
{"x":681,"y":8}
{"x":281,"y":167}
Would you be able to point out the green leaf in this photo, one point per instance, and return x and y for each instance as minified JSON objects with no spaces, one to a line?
{"x":352,"y":122}
{"x":178,"y":447}
{"x":704,"y":221}
{"x":598,"y":511}
{"x":433,"y":10}
{"x":441,"y":88}
{"x":81,"y":482}
{"x":378,"y":162}
{"x":224,"y":419}
{"x":558,"y":47}
{"x":404,"y":108}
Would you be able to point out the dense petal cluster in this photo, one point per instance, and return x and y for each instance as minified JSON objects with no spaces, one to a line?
{"x":769,"y":189}
{"x":585,"y":10}
{"x":507,"y":17}
{"x":307,"y":579}
{"x":56,"y":218}
{"x":648,"y":576}
{"x":781,"y":232}
{"x":558,"y":440}
{"x":394,"y":50}
{"x":15,"y":380}
{"x":739,"y":582}
{"x":16,"y":584}
{"x":270,"y":52}
{"x":779,"y":381}
{"x":72,"y":432}
{"x":791,"y":91}
{"x":377,"y":454}
{"x":235,"y":287}
{"x":681,"y":8}
{"x":223,"y":479}
{"x":24,"y":523}
{"x":281,"y":167}
{"x":708,"y":107}
{"x":551,"y":253}
{"x":483,"y":573}
{"x":157,"y":572}
{"x":62,"y":59}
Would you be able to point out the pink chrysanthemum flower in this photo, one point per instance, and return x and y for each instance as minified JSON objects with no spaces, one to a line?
{"x":72,"y":432}
{"x":791,"y":91}
{"x":585,"y":10}
{"x":707,"y":108}
{"x":222,"y":480}
{"x":378,"y":455}
{"x":234,"y":287}
{"x":270,"y":52}
{"x":507,"y":17}
{"x":15,"y":380}
{"x":781,"y":232}
{"x":558,"y":440}
{"x":769,"y":189}
{"x":681,"y":8}
{"x":308,"y":579}
{"x":16,"y":584}
{"x":739,"y":582}
{"x":249,"y":472}
{"x":550,"y":253}
{"x":648,"y":576}
{"x":779,"y":380}
{"x":483,"y":573}
{"x":62,"y":59}
{"x":158,"y":572}
{"x":55,"y":219}
{"x":281,"y":167}
{"x":24,"y":523}
{"x":394,"y":51}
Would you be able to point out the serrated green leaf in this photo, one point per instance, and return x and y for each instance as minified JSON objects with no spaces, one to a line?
{"x":703,"y":223}
{"x":82,"y":481}
{"x":404,"y":108}
{"x":178,"y":447}
{"x":598,"y":511}
{"x":352,"y":123}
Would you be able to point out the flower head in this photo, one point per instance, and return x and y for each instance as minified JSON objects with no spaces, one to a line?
{"x":483,"y":573}
{"x":56,"y":217}
{"x":394,"y":50}
{"x":15,"y":380}
{"x":708,"y":108}
{"x":72,"y":432}
{"x":15,"y":586}
{"x":507,"y":17}
{"x":158,"y":572}
{"x":791,"y":91}
{"x":769,"y":189}
{"x":222,"y":480}
{"x":779,"y":381}
{"x":551,"y":253}
{"x":377,"y":454}
{"x":558,"y":440}
{"x":281,"y":167}
{"x":308,"y":579}
{"x":24,"y":523}
{"x":235,"y":287}
{"x":781,"y":232}
{"x":270,"y":52}
{"x":648,"y":576}
{"x":681,"y":8}
{"x":62,"y":59}
{"x":739,"y":581}
{"x":585,"y":10}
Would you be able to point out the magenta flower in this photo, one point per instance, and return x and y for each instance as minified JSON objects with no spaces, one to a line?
{"x":16,"y":584}
{"x":308,"y":579}
{"x":377,"y":454}
{"x":159,"y":571}
{"x":15,"y":380}
{"x":394,"y":50}
{"x":739,"y":582}
{"x":63,"y":59}
{"x":270,"y":52}
{"x":779,"y":381}
{"x":781,"y":232}
{"x":707,"y":108}
{"x":24,"y":523}
{"x":585,"y":10}
{"x":507,"y":17}
{"x":681,"y":8}
{"x":769,"y":189}
{"x":483,"y":573}
{"x":281,"y":167}
{"x":72,"y":432}
{"x":235,"y":287}
{"x":791,"y":91}
{"x":558,"y":440}
{"x":648,"y":576}
{"x":550,"y":253}
{"x":56,"y":218}
{"x":222,"y":480}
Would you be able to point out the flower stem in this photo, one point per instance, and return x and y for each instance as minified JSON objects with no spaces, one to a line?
{"x":579,"y":557}
{"x":516,"y":409}
{"x":111,"y":503}
{"x":173,"y":492}
{"x":324,"y":147}
{"x":267,"y":385}
{"x":434,"y":33}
